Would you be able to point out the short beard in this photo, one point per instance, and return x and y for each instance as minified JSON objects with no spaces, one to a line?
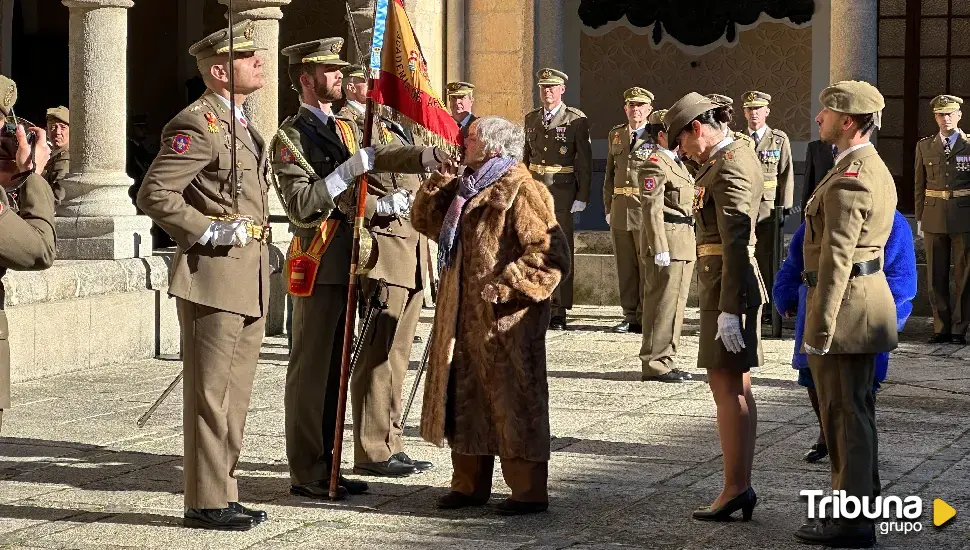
{"x":328,"y":95}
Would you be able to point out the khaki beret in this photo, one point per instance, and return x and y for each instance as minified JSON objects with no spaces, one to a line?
{"x":459,"y":89}
{"x":322,"y":52}
{"x":354,"y":71}
{"x":756,"y":99}
{"x":684,"y":111}
{"x":945,"y":104}
{"x":60,"y":113}
{"x":852,"y":97}
{"x":638,"y":95}
{"x":656,"y":117}
{"x":217,"y":43}
{"x":551,"y":77}
{"x":720,"y":100}
{"x":8,"y":95}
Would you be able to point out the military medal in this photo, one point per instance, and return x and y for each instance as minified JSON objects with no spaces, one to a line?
{"x":698,"y":198}
{"x":561,"y":133}
{"x":562,"y":150}
{"x":616,"y":139}
{"x":213,"y":122}
{"x":641,"y":154}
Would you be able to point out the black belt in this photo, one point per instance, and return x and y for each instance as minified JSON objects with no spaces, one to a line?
{"x":670,"y":218}
{"x":810,"y":278}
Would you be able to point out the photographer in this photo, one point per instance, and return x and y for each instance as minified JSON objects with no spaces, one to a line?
{"x":27,"y":239}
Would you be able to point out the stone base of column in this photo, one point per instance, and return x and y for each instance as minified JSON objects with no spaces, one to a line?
{"x":276,"y":317}
{"x":103,"y":237}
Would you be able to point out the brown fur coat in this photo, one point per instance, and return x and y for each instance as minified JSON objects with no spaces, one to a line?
{"x":486,"y":390}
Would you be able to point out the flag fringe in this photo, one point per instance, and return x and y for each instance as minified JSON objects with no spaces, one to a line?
{"x":420,"y":131}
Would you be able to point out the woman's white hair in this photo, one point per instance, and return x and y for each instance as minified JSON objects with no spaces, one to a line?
{"x":501,"y":136}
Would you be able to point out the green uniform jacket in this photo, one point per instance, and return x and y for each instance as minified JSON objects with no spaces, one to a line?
{"x":937,"y":172}
{"x":622,"y":165}
{"x":666,"y":187}
{"x":565,"y":142}
{"x":774,"y":154}
{"x":58,"y":167}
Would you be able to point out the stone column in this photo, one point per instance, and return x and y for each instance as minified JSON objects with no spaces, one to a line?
{"x":97,"y":221}
{"x":455,"y":38}
{"x":363,"y":13}
{"x":500,"y":55}
{"x":854,"y":29}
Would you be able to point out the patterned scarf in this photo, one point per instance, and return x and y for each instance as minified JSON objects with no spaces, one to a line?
{"x":468,"y":187}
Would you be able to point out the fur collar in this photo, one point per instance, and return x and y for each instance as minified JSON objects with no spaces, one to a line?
{"x":501,"y":194}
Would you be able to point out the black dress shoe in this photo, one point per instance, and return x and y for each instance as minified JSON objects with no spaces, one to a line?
{"x":816,"y":453}
{"x":455,"y":500}
{"x":623,"y":327}
{"x":959,"y":340}
{"x":319,"y":490}
{"x":557,"y":323}
{"x":939,"y":339}
{"x":258,"y":516}
{"x":636,"y":328}
{"x":683,"y":374}
{"x":510,"y":507}
{"x":669,"y":376}
{"x":220,"y":519}
{"x":392,"y":467}
{"x":745,"y":502}
{"x":419,"y":465}
{"x":837,"y":535}
{"x":353,"y":486}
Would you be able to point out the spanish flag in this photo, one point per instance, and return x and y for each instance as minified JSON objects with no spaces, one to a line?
{"x":401,"y":90}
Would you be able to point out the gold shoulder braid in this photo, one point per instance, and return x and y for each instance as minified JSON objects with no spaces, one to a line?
{"x":302,"y":163}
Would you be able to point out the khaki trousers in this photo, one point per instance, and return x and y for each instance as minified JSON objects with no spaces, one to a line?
{"x":313,"y":382}
{"x":629,"y":272}
{"x":764,"y":250}
{"x":219,"y":355}
{"x":663,"y":306}
{"x":940,"y":248}
{"x":473,"y":476}
{"x":562,"y":296}
{"x":378,"y":379}
{"x":847,"y":404}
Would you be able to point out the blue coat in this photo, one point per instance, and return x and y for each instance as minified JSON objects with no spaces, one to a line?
{"x":789,"y":294}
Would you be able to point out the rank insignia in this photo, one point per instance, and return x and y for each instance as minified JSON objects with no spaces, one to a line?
{"x":654,"y":159}
{"x":851,"y":174}
{"x":563,"y":149}
{"x":287,"y":156}
{"x":649,"y":183}
{"x":212,"y":122}
{"x":181,"y":143}
{"x":729,"y":155}
{"x":641,"y":154}
{"x":616,"y":139}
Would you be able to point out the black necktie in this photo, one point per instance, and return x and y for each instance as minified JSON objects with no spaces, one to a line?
{"x":331,"y":124}
{"x":757,"y":140}
{"x":946,"y":147}
{"x":633,"y":139}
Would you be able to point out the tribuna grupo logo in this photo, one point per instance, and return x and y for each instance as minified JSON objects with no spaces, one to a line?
{"x":892,"y":513}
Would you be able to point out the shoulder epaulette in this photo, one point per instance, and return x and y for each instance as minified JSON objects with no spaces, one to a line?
{"x":575,"y":111}
{"x":927,"y":137}
{"x":617,"y":127}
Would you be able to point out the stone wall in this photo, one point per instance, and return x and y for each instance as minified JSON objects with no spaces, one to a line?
{"x":499,"y":53}
{"x":773,"y":57}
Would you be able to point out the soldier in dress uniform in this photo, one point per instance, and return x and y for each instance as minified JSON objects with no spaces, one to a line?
{"x":59,"y":132}
{"x":851,"y":315}
{"x":629,"y":145}
{"x":27,"y":239}
{"x":461,"y":99}
{"x":559,"y":153}
{"x":355,"y":92}
{"x":220,"y":273}
{"x":943,"y":217}
{"x":774,"y":152}
{"x":316,"y":156}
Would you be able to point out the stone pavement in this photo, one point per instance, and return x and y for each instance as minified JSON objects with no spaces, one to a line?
{"x":630,"y":461}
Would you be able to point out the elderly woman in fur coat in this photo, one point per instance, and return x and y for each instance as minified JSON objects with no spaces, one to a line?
{"x":500,"y":256}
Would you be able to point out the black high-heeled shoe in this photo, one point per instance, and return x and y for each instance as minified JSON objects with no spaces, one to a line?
{"x":745,"y":502}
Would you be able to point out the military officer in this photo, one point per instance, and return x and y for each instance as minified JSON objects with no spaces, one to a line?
{"x":59,"y":132}
{"x":316,"y":156}
{"x":851,"y":314}
{"x":774,"y":152}
{"x":27,"y":239}
{"x":461,"y":99}
{"x":943,"y":217}
{"x":559,"y":154}
{"x":355,"y":91}
{"x":629,"y":146}
{"x":220,"y":273}
{"x":668,"y":253}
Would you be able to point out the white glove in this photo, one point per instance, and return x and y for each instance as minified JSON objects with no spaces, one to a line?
{"x":607,"y":219}
{"x":919,"y":228}
{"x":430,"y":158}
{"x":397,"y":204}
{"x":815,"y":351}
{"x":241,"y":234}
{"x":362,"y":161}
{"x":578,"y":206}
{"x":662,"y":259}
{"x":729,"y":332}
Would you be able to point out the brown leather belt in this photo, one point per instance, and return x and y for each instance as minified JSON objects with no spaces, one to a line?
{"x":542,"y":169}
{"x":686,"y":220}
{"x":868,"y":267}
{"x":947,"y":194}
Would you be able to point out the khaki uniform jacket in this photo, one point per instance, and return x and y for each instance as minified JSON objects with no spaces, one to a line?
{"x":666,"y":187}
{"x":565,"y":142}
{"x":306,"y":197}
{"x":937,"y":172}
{"x":57,"y":169}
{"x":848,"y":220}
{"x":732,"y":186}
{"x":351,"y":113}
{"x":187,"y":183}
{"x":774,"y":154}
{"x":622,"y":165}
{"x":26,"y":243}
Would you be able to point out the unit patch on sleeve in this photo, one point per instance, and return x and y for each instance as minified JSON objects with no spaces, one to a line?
{"x":649,"y":183}
{"x":287,"y":156}
{"x":181,"y":143}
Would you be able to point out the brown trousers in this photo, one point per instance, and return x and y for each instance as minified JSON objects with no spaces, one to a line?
{"x":764,"y":250}
{"x":663,"y":305}
{"x":313,"y":382}
{"x":219,"y":355}
{"x":378,"y":379}
{"x":940,"y":248}
{"x":562,"y":296}
{"x":847,"y":404}
{"x":629,"y":272}
{"x":473,"y":476}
